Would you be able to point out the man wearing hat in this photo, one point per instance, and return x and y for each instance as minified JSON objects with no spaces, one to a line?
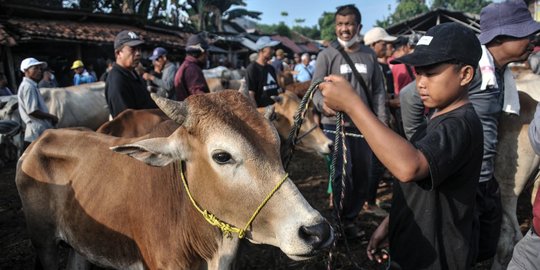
{"x":189,"y":79}
{"x":261,"y":77}
{"x":124,"y":88}
{"x":32,"y":108}
{"x":165,"y":84}
{"x":506,"y":30}
{"x":81,"y":75}
{"x":358,"y":64}
{"x":278,"y":61}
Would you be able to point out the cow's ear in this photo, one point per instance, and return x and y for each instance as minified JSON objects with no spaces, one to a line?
{"x":157,"y":152}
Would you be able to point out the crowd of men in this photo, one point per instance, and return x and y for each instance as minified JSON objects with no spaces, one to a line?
{"x":444,"y":90}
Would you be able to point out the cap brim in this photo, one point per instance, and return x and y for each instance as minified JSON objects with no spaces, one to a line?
{"x":133,"y":43}
{"x":419,"y":60}
{"x":519,"y":30}
{"x":43,"y":65}
{"x":270,"y":44}
{"x":390,"y":38}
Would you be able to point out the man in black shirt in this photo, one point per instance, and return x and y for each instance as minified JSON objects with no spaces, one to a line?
{"x":261,"y":77}
{"x":124,"y":88}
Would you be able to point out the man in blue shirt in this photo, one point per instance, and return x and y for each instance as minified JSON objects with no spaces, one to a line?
{"x":304,"y":71}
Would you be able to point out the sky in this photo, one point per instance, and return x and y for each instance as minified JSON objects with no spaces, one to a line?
{"x":311,"y":10}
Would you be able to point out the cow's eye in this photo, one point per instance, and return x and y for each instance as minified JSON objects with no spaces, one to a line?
{"x":222,"y":157}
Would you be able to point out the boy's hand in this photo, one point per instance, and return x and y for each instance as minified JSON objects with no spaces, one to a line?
{"x":377,"y":241}
{"x":338,"y":93}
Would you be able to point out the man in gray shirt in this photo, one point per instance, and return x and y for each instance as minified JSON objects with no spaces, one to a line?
{"x":359,"y":155}
{"x":32,"y":108}
{"x":162,"y":66}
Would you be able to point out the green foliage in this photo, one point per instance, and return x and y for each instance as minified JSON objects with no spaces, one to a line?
{"x":283,"y":30}
{"x":327,"y":26}
{"x":471,"y":6}
{"x":311,"y":32}
{"x":408,"y":9}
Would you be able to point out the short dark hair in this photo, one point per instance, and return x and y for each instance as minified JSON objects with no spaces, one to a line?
{"x":349,"y":10}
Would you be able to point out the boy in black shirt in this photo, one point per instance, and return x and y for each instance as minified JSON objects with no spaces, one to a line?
{"x":430,"y":225}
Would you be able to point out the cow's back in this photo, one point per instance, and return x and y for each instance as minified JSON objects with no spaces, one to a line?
{"x":85,"y":209}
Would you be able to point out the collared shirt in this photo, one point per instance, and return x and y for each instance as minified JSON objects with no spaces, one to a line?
{"x":30,"y":100}
{"x":305,"y":73}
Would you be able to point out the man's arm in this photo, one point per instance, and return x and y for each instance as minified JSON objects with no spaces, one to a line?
{"x":379,"y":93}
{"x":322,"y":69}
{"x":412,"y":109}
{"x":29,"y":99}
{"x":534,"y":131}
{"x":167,"y":79}
{"x":118,"y":96}
{"x":389,"y":147}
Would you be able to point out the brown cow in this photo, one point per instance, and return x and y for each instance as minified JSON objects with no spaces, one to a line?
{"x":116,"y":211}
{"x":133,"y":123}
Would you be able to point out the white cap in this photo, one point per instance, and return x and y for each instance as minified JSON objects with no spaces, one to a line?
{"x":28,"y":62}
{"x":377,"y":34}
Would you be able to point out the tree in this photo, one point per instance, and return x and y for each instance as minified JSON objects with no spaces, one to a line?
{"x":311,"y":32}
{"x":327,"y":26}
{"x":283,"y":30}
{"x":207,"y":15}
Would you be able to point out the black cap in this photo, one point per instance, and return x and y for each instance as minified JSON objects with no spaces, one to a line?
{"x":196,"y":43}
{"x":127,"y":38}
{"x":442,"y":43}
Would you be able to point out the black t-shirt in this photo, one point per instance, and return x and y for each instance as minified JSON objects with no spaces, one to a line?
{"x":125,"y":89}
{"x":262,"y":80}
{"x":389,"y":79}
{"x":431,"y":220}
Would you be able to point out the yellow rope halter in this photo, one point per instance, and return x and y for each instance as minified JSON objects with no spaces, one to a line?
{"x":226,"y":228}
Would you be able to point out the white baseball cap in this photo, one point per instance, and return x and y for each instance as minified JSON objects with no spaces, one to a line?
{"x":377,"y":34}
{"x":29,"y":62}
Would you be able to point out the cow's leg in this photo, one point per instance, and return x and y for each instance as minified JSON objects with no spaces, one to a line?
{"x":509,"y":236}
{"x":47,"y":253}
{"x":76,"y":261}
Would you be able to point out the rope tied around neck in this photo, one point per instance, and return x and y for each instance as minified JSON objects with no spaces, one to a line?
{"x":226,"y":228}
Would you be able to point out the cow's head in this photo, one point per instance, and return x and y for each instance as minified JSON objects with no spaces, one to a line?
{"x":311,"y":137}
{"x":231,"y":156}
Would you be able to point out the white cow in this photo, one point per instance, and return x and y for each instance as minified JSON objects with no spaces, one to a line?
{"x":75,"y":106}
{"x":515,"y":164}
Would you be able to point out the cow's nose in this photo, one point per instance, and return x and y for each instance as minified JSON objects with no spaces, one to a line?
{"x":331,"y":147}
{"x":318,"y":236}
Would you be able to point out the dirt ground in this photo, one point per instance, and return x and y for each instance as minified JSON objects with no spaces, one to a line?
{"x":307,"y":171}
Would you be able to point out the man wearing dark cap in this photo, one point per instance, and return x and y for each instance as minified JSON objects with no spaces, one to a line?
{"x":431,"y":221}
{"x":506,"y":31}
{"x":189,"y":79}
{"x":261,"y":77}
{"x":124,"y":88}
{"x":166,"y":70}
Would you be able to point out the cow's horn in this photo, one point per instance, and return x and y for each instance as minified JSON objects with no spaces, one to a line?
{"x":176,"y":110}
{"x":243,"y":88}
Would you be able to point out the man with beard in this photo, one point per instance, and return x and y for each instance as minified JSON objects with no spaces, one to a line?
{"x":125,"y":89}
{"x":32,"y":108}
{"x":358,"y":64}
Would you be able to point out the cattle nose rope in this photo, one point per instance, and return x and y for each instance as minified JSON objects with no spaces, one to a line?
{"x":228,"y":229}
{"x":339,"y":140}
